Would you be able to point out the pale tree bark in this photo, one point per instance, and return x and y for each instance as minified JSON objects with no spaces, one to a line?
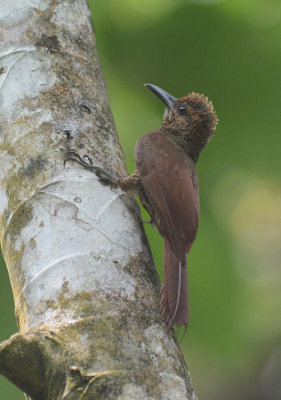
{"x":85,"y":288}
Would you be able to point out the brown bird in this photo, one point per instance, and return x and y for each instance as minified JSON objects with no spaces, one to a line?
{"x":166,"y":181}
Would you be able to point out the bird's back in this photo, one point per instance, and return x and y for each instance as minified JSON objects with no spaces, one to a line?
{"x":169,"y":179}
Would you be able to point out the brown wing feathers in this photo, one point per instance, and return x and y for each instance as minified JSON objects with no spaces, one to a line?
{"x":166,"y":176}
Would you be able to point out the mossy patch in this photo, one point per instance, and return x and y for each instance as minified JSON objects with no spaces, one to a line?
{"x":19,"y":220}
{"x":51,"y":42}
{"x":13,"y":253}
{"x":34,"y":166}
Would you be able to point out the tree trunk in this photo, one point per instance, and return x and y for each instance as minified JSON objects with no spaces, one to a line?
{"x":85,"y":288}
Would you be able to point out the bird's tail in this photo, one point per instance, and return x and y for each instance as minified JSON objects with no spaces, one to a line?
{"x":174,"y":302}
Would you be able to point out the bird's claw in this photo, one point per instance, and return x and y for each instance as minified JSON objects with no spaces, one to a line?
{"x":86,"y":157}
{"x":104,"y":177}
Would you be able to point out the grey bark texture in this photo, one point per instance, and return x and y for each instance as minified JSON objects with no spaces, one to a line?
{"x":85,"y":287}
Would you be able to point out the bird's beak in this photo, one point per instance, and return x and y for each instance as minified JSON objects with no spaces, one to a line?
{"x":166,"y":97}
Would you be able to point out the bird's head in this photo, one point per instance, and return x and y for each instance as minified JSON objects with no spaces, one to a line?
{"x":191,"y":119}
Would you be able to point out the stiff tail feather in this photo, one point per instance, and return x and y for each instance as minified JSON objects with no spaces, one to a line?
{"x":174,"y":302}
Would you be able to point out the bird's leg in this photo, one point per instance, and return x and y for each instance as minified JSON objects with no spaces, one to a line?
{"x":147,"y":221}
{"x":128,"y":183}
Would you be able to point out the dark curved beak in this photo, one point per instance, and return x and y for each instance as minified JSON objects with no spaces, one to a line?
{"x":166,"y":97}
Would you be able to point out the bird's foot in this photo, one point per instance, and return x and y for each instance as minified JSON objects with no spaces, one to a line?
{"x":104,"y":176}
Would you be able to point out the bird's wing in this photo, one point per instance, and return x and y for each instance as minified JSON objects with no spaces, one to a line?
{"x":169,"y":179}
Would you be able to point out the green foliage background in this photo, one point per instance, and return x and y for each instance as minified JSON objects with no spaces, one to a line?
{"x":230,"y":51}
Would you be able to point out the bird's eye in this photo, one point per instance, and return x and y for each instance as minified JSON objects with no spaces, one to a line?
{"x":182,"y":109}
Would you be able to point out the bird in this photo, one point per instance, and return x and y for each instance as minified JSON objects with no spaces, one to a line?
{"x":166,"y":181}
